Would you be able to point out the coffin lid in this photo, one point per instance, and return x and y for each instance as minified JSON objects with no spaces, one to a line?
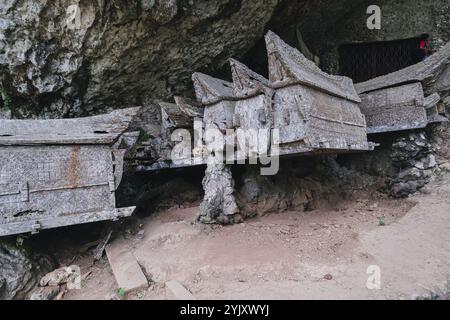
{"x":101,"y":129}
{"x":287,"y":66}
{"x":178,"y":118}
{"x":246,"y":82}
{"x":211,"y":90}
{"x":190,"y":107}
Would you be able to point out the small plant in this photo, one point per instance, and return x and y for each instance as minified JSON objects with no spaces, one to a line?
{"x":120,"y":293}
{"x":381,"y":221}
{"x":145,"y":136}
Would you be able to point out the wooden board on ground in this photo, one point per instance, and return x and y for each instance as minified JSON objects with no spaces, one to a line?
{"x":126,"y":269}
{"x":180,"y":292}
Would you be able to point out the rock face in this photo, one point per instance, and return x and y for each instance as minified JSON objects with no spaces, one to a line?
{"x":45,"y":293}
{"x":326,"y":25}
{"x":20,"y":271}
{"x":414,"y":157}
{"x":219,"y":203}
{"x":67,"y":58}
{"x":302,"y":184}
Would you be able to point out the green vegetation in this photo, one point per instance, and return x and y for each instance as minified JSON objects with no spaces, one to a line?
{"x":120,"y":293}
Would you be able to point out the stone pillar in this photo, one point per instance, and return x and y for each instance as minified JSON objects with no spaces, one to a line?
{"x":219,"y":203}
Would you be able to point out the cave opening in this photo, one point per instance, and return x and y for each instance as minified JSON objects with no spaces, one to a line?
{"x":364,"y":61}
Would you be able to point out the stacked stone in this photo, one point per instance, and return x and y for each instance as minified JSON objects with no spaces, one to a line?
{"x":413,"y":156}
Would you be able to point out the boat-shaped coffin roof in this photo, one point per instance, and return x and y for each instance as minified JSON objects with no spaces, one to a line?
{"x":190,"y":107}
{"x":246,"y":82}
{"x":175,"y":115}
{"x":102,"y":129}
{"x":211,"y":90}
{"x":287,"y":66}
{"x":428,"y":69}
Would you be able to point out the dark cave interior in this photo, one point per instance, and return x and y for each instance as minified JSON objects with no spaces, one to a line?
{"x":364,"y":61}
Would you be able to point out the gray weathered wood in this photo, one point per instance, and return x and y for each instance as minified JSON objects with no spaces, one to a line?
{"x":434,"y":69}
{"x":127,"y":272}
{"x":287,"y":66}
{"x":190,"y":107}
{"x":179,"y":292}
{"x":103,"y":129}
{"x":172,"y":117}
{"x":46,"y":182}
{"x":247,"y":83}
{"x":211,"y":90}
{"x":398,"y":108}
{"x":218,"y":98}
{"x":313,"y":111}
{"x":254,"y":107}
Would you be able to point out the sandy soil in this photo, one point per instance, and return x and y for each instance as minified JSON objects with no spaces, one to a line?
{"x":322,"y":254}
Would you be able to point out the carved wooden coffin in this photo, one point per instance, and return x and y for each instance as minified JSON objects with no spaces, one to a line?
{"x":313,"y":111}
{"x":218,"y":98}
{"x":219,"y":103}
{"x":433,"y":73}
{"x":172,"y":117}
{"x":396,"y":101}
{"x":63,"y":172}
{"x":398,"y":108}
{"x":191,"y":108}
{"x":253,"y":110}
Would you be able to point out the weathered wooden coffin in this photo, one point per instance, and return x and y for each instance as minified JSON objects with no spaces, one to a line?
{"x":253,"y":110}
{"x":172,"y":117}
{"x":396,"y":101}
{"x":398,"y":108}
{"x":219,"y":101}
{"x":218,"y":98}
{"x":253,"y":113}
{"x":190,"y":107}
{"x":433,"y":73}
{"x":314,"y":111}
{"x":63,"y":172}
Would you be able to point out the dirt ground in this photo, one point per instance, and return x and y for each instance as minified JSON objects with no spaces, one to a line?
{"x":321,"y":254}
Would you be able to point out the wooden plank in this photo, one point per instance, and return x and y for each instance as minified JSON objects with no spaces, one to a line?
{"x":55,"y":222}
{"x":211,"y":90}
{"x":102,"y":129}
{"x":126,"y":269}
{"x":173,"y":117}
{"x":180,"y":292}
{"x":190,"y":107}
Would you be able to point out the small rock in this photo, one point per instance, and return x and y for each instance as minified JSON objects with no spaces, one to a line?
{"x":112,"y":296}
{"x":58,"y":276}
{"x":402,"y":189}
{"x":328,"y":277}
{"x":446,"y":166}
{"x":45,"y":293}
